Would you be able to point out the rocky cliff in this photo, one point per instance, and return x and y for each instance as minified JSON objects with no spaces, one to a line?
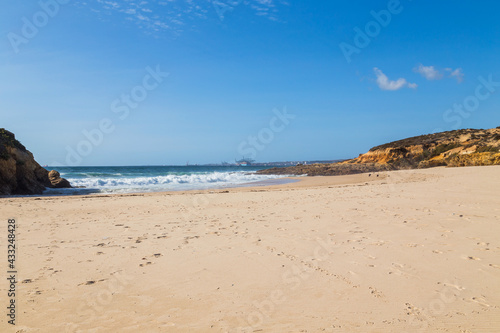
{"x":467,"y":147}
{"x":19,"y":172}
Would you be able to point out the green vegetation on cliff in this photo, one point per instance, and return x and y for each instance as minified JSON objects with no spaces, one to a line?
{"x":8,"y":139}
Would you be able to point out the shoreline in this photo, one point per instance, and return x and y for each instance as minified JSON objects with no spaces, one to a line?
{"x":271,"y":184}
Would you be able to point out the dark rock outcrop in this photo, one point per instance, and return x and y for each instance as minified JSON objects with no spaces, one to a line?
{"x":467,"y":147}
{"x":56,"y":181}
{"x":19,"y":172}
{"x":333,"y":169}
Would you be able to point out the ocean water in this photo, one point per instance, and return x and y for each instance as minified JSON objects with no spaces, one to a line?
{"x":133,"y":179}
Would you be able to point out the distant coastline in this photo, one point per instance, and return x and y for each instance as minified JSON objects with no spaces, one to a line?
{"x":466,"y":147}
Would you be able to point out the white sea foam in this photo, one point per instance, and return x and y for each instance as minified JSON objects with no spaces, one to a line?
{"x":171,"y":182}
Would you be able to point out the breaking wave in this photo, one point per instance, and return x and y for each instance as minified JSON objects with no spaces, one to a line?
{"x":170,"y":182}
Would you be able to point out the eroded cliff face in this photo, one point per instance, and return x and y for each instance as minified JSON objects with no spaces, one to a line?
{"x":384,"y":156}
{"x":468,"y":147}
{"x":19,"y":172}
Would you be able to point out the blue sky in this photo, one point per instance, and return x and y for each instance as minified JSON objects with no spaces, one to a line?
{"x":270,"y":79}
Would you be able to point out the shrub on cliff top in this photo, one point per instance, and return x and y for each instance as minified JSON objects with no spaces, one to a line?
{"x":8,"y":139}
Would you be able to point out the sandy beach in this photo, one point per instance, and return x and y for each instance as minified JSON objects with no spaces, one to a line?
{"x":403,"y":251}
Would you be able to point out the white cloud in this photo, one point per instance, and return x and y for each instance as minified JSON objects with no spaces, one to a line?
{"x":180,"y":15}
{"x":429,"y":72}
{"x":458,"y":74}
{"x":384,"y":83}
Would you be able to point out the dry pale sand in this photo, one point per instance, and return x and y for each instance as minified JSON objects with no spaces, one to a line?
{"x":409,"y":251}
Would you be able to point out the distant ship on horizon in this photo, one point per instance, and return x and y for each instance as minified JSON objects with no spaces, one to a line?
{"x":245,"y":162}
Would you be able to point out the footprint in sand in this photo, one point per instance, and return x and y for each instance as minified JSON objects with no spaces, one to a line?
{"x":402,"y":270}
{"x":375,"y":292}
{"x":91,"y":282}
{"x":480,"y":300}
{"x":456,"y":286}
{"x":484,"y":246}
